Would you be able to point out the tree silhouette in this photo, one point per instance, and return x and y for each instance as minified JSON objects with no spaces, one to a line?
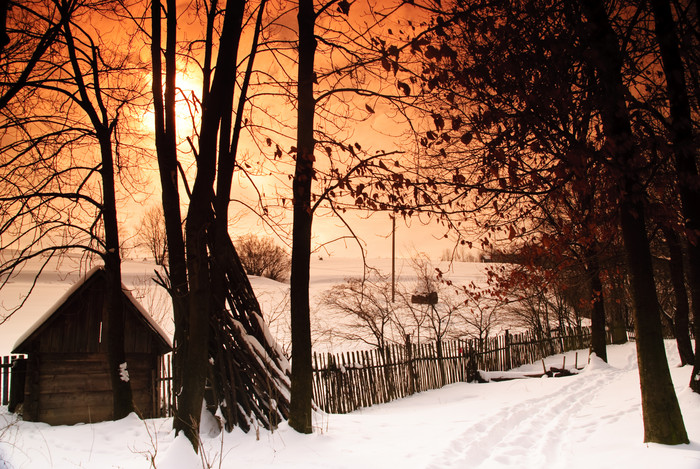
{"x":543,"y":90}
{"x":220,"y":334}
{"x":59,"y":182}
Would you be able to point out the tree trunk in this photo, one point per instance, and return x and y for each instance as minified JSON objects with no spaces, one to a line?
{"x":197,"y":228}
{"x":617,"y":308}
{"x":663,"y":422}
{"x":222,"y":93}
{"x":249,"y":380}
{"x":302,"y":392}
{"x":684,"y":152}
{"x":194,"y":363}
{"x":113,"y":308}
{"x":681,"y":324}
{"x":598,"y":334}
{"x":166,"y":151}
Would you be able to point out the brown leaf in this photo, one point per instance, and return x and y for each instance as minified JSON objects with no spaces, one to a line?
{"x":386,"y":64}
{"x":344,"y":7}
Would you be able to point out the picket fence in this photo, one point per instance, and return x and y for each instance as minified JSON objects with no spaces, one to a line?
{"x":347,"y":381}
{"x":343,"y":382}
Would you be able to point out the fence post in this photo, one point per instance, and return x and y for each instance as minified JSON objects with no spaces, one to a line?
{"x":409,"y":363}
{"x":508,"y":364}
{"x":441,"y":364}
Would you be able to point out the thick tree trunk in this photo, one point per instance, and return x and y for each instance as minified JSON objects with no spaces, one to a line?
{"x":248,"y":380}
{"x":113,"y":308}
{"x":200,"y":221}
{"x":195,"y":362}
{"x":685,"y":153}
{"x":663,"y":422}
{"x":222,"y":94}
{"x":598,"y":334}
{"x":302,"y":392}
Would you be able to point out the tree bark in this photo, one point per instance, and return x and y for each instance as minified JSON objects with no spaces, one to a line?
{"x":195,"y":363}
{"x":249,"y":380}
{"x":663,"y":422}
{"x":684,"y":152}
{"x":302,"y":392}
{"x":219,"y":105}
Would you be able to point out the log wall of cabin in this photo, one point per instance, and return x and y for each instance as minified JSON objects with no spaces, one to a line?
{"x":68,"y":388}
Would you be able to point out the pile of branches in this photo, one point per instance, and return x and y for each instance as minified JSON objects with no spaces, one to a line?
{"x":249,"y":374}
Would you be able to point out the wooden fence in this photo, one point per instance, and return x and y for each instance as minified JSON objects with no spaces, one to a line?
{"x":347,"y":381}
{"x":5,"y":377}
{"x":164,"y":382}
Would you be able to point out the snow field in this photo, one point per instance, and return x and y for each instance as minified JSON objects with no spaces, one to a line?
{"x":592,"y":419}
{"x":588,"y":420}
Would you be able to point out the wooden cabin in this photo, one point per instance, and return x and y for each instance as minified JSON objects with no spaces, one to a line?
{"x":67,"y":378}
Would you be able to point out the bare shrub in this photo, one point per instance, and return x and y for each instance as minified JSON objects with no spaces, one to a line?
{"x":262,"y":257}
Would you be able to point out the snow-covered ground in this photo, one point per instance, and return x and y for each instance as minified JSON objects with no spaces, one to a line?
{"x":592,"y":419}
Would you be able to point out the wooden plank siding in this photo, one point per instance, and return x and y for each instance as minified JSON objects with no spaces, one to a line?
{"x":59,"y":381}
{"x":67,"y":375}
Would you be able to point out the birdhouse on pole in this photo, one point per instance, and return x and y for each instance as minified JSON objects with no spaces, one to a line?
{"x":430,"y":298}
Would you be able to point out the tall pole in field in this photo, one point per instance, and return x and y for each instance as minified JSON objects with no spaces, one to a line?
{"x":393,"y":258}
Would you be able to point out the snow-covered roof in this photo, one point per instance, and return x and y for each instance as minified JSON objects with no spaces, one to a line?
{"x":75,"y":288}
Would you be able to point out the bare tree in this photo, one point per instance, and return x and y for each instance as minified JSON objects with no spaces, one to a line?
{"x":67,"y":156}
{"x":365,"y":310}
{"x":217,"y":317}
{"x":151,"y":234}
{"x":482,"y":314}
{"x":324,"y":91}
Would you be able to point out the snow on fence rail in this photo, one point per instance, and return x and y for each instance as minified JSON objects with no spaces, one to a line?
{"x":346,"y":381}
